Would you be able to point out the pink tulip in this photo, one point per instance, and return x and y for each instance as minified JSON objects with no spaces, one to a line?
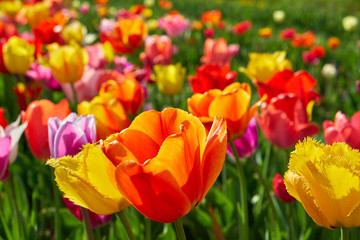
{"x":39,"y":73}
{"x":343,"y":130}
{"x":218,"y":51}
{"x":174,"y":24}
{"x":96,"y":56}
{"x":158,"y":50}
{"x":5,"y":143}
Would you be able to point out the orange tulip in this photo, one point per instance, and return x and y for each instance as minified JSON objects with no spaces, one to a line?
{"x":303,"y":40}
{"x":37,"y":115}
{"x":128,"y":91}
{"x":232,"y":104}
{"x":109,"y":114}
{"x":165,"y":163}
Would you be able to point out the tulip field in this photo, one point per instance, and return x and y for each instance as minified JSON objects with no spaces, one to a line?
{"x":179,"y":119}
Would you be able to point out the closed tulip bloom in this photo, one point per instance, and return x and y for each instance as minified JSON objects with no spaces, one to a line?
{"x":173,"y":23}
{"x":74,"y":32}
{"x":343,"y":130}
{"x":247,"y":144}
{"x":158,"y":50}
{"x":265,"y":32}
{"x":262,"y":66}
{"x":37,"y":115}
{"x":166,"y":163}
{"x":242,"y":27}
{"x":280,"y":189}
{"x":5,"y":143}
{"x":18,"y":55}
{"x":232,"y":104}
{"x":67,"y":63}
{"x":37,"y":12}
{"x":287,"y":34}
{"x":88,"y":180}
{"x":66,"y":137}
{"x":212,"y":17}
{"x":128,"y":91}
{"x":303,"y":40}
{"x":212,"y":76}
{"x":333,"y":42}
{"x":109,"y":113}
{"x":325,"y":179}
{"x":284,"y":121}
{"x":218,"y":51}
{"x":169,"y":78}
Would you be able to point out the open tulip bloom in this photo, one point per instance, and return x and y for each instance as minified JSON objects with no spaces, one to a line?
{"x":163,"y":164}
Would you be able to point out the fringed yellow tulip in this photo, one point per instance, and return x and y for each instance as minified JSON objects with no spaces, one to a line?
{"x":262,"y":66}
{"x":18,"y":55}
{"x":88,"y":180}
{"x":67,"y":63}
{"x":169,"y":78}
{"x":326,"y":180}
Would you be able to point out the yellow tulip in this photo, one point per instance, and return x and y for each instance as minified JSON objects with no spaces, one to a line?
{"x":74,"y":32}
{"x":36,"y":13}
{"x":326,"y":180}
{"x":169,"y":78}
{"x":18,"y":55}
{"x":262,"y":66}
{"x":67,"y":63}
{"x":10,"y":8}
{"x":109,"y":53}
{"x":88,"y":180}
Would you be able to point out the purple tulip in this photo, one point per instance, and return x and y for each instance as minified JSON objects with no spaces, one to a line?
{"x":248,"y":143}
{"x":68,"y":136}
{"x":5,"y":143}
{"x":95,"y":219}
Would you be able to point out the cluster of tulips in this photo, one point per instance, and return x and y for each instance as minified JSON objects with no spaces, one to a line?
{"x":89,"y":112}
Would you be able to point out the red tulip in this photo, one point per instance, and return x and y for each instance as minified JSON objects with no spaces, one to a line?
{"x":37,"y":115}
{"x":280,"y":189}
{"x":284,"y":121}
{"x":3,"y":122}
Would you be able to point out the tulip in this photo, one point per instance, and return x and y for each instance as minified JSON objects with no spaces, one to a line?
{"x":37,"y":115}
{"x":284,"y":121}
{"x":66,"y":137}
{"x":211,"y":76}
{"x":279,"y":16}
{"x":287,"y":34}
{"x":232,"y":104}
{"x":212,"y":17}
{"x":37,"y":12}
{"x":167,"y":164}
{"x":333,"y":42}
{"x":241,"y":28}
{"x":67,"y":63}
{"x":248,"y":143}
{"x":349,"y":23}
{"x":265,"y":32}
{"x":310,"y":57}
{"x":5,"y":143}
{"x":39,"y":73}
{"x":165,"y":4}
{"x":343,"y":130}
{"x":18,"y":55}
{"x":109,"y":114}
{"x":169,"y":78}
{"x":96,"y":220}
{"x":329,"y":71}
{"x":218,"y":51}
{"x":49,"y":30}
{"x":299,"y":83}
{"x":129,"y":92}
{"x":84,"y":8}
{"x":209,"y":32}
{"x":262,"y":66}
{"x":174,"y":24}
{"x":2,"y":63}
{"x":325,"y":179}
{"x":280,"y":189}
{"x":303,"y":40}
{"x":88,"y":180}
{"x":74,"y":32}
{"x":11,"y":8}
{"x":97,"y":55}
{"x":3,"y":121}
{"x":158,"y":50}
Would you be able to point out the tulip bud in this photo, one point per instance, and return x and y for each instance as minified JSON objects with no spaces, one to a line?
{"x":279,"y":16}
{"x":280,"y":189}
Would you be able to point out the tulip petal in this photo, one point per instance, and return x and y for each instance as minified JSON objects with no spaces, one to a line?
{"x":157,"y":196}
{"x":5,"y":143}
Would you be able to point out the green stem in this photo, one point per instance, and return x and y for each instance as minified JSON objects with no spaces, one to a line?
{"x":74,"y":94}
{"x":18,"y":221}
{"x":56,"y":196}
{"x":243,"y":193}
{"x":224,"y":180}
{"x":147,"y":229}
{"x":126,"y":225}
{"x":290,"y":219}
{"x":345,"y":232}
{"x":179,"y":229}
{"x":267,"y":190}
{"x":87,"y":223}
